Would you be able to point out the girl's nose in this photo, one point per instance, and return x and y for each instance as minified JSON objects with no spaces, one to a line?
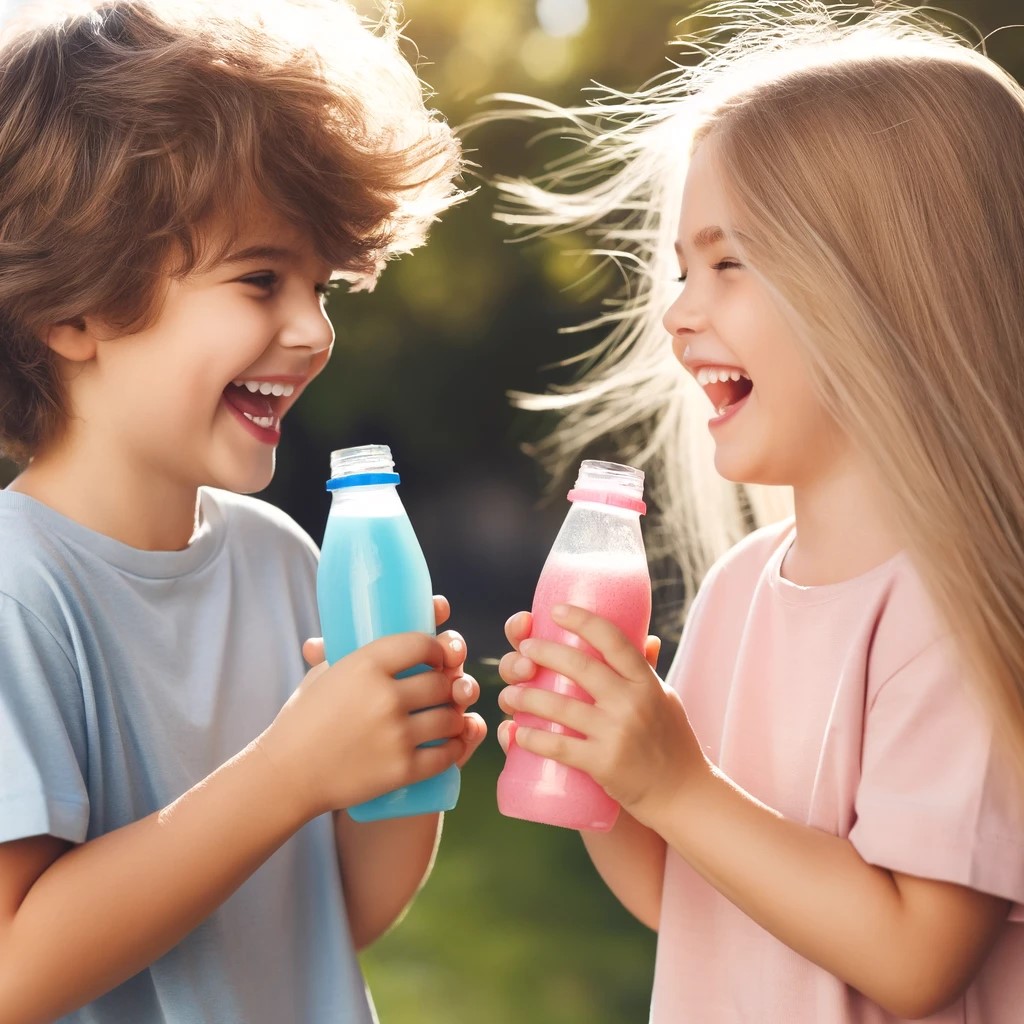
{"x":682,"y":320}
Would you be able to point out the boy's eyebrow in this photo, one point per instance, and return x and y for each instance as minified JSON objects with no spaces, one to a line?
{"x":262,"y":252}
{"x":704,"y":238}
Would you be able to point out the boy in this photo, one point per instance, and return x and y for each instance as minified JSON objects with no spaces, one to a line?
{"x":178,"y":185}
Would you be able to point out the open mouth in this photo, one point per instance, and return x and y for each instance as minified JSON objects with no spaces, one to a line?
{"x":726,"y":386}
{"x":259,"y":402}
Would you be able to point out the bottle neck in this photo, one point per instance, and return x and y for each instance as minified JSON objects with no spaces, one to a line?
{"x":367,"y":500}
{"x":604,"y":496}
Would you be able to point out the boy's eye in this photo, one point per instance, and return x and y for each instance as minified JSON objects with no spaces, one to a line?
{"x":266,"y":280}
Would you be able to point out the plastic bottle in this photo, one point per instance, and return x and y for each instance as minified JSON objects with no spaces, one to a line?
{"x":597,"y":562}
{"x":372,"y":582}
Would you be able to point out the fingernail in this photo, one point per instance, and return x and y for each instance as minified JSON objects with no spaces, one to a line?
{"x":455,"y":644}
{"x":526,"y":646}
{"x":560,"y":611}
{"x":524,"y":668}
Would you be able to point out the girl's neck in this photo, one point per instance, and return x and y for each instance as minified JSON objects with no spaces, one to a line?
{"x":133,"y":508}
{"x":842,"y":529}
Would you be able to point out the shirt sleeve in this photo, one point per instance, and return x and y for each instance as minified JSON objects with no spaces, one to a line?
{"x":43,"y":748}
{"x":939,"y":797}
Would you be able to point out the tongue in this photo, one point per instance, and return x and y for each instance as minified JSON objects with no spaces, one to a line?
{"x":245,"y":401}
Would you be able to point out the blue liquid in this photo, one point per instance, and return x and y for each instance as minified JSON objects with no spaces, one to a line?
{"x":373,"y":581}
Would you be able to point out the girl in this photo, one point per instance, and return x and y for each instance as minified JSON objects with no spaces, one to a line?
{"x":821,"y":813}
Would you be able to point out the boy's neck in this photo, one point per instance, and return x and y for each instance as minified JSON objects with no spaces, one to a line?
{"x":150,"y":515}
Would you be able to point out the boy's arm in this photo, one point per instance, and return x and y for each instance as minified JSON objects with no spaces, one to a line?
{"x":383,"y":865}
{"x":106,"y":909}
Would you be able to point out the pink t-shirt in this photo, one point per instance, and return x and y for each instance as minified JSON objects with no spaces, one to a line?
{"x":843,"y":708}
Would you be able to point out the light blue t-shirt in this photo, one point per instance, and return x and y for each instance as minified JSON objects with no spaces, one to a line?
{"x":126,"y":677}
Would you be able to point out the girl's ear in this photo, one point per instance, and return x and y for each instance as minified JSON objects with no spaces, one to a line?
{"x":73,"y":340}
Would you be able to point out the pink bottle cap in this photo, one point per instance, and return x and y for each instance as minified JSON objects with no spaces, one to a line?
{"x":608,"y":498}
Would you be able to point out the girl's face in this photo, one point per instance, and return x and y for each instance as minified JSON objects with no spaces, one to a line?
{"x":768,"y":424}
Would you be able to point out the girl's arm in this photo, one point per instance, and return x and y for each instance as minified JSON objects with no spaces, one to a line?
{"x":910,"y":944}
{"x":630,"y":858}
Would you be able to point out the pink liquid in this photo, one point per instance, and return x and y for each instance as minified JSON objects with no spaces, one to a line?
{"x":537,"y":788}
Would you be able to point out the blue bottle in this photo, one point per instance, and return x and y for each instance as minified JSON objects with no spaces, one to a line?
{"x":373,"y":581}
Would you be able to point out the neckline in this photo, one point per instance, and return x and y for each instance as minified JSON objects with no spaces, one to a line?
{"x":796,"y":593}
{"x":202,"y":548}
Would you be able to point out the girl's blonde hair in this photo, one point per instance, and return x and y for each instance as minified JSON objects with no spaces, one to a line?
{"x":129,"y":127}
{"x":875,"y":162}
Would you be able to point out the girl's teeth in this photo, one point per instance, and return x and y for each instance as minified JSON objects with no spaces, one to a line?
{"x":266,"y":388}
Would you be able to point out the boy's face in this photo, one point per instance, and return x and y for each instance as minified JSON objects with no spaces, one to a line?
{"x":198,"y":397}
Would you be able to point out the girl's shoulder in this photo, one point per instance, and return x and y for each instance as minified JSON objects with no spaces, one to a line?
{"x":746,"y":560}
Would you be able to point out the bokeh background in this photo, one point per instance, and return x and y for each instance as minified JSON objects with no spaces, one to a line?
{"x":514,"y":924}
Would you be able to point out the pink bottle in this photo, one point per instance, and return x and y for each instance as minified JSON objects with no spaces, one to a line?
{"x":598,"y":563}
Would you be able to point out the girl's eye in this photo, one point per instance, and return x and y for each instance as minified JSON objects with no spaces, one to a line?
{"x":727,"y":265}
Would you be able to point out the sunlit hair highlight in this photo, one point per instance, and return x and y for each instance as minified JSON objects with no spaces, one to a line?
{"x":132,"y":132}
{"x":875,"y":163}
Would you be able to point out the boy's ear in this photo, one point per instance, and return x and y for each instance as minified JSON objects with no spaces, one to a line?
{"x":73,"y":340}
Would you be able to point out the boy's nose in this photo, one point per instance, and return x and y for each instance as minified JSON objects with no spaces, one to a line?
{"x":309,"y":328}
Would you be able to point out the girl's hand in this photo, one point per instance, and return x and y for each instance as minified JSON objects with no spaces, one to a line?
{"x":465,"y":689}
{"x":514,"y":669}
{"x":636,"y":741}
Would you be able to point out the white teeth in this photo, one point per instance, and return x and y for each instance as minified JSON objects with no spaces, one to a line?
{"x":262,"y":421}
{"x":713,"y":375}
{"x":266,"y":388}
{"x":722,"y":408}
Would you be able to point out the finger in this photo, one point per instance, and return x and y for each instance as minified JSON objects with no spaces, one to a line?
{"x":423,"y":690}
{"x":442,"y":609}
{"x":465,"y":691}
{"x":313,"y":651}
{"x":514,"y":668}
{"x":604,"y":637}
{"x":518,"y":628}
{"x":441,"y":723}
{"x":403,"y":651}
{"x":474,"y":732}
{"x":430,"y":761}
{"x":506,"y":730}
{"x":651,"y":651}
{"x":587,"y":672}
{"x":454,"y":646}
{"x":566,"y":711}
{"x":567,"y":750}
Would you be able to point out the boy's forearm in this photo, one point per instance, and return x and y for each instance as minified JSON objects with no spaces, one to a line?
{"x":815,"y":893}
{"x":631,"y":860}
{"x":383,"y":865}
{"x":108,"y":908}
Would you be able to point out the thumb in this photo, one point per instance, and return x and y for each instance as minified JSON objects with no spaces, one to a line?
{"x":313,"y":651}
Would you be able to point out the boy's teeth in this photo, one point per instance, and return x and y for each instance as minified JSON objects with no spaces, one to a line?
{"x":262,"y":421}
{"x":265,"y":387}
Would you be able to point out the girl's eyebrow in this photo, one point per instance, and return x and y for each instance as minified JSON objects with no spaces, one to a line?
{"x":707,"y":236}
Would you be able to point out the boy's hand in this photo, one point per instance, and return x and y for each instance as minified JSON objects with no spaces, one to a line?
{"x":636,"y":741}
{"x":349,"y":734}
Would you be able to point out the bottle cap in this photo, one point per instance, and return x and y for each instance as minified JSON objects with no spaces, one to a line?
{"x":361,"y":466}
{"x":610,"y":483}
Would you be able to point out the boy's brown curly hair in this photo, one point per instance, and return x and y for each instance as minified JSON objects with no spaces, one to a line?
{"x":129,"y":126}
